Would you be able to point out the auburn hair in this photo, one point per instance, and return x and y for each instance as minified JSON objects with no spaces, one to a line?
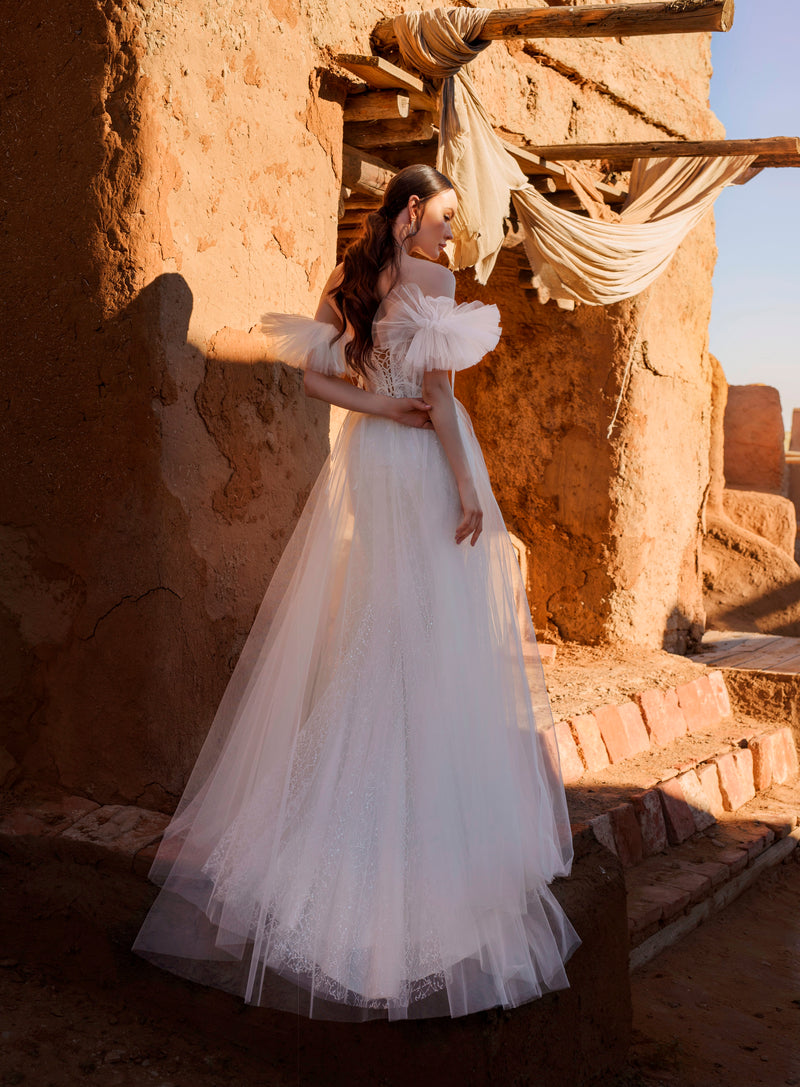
{"x":372,"y":251}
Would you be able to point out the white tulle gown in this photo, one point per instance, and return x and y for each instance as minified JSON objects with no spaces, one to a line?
{"x":375,"y":815}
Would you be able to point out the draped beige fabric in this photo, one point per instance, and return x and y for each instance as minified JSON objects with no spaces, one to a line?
{"x":586,"y":259}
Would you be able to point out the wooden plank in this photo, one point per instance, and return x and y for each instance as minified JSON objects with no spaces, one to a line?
{"x":790,"y":664}
{"x":379,"y":73}
{"x":376,"y":106}
{"x":758,"y":655}
{"x":595,"y":21}
{"x":775,"y":657}
{"x":416,"y":128}
{"x":364,"y":173}
{"x":621,"y":155}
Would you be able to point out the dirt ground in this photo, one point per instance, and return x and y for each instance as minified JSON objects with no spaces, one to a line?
{"x":585,"y":676}
{"x":721,"y":1008}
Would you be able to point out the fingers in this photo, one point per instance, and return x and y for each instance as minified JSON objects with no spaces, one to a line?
{"x":471,"y":526}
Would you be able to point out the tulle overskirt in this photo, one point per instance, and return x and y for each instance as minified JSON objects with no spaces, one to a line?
{"x":375,"y":815}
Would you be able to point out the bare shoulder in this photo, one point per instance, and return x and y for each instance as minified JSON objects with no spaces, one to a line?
{"x":334,"y":279}
{"x":444,"y":280}
{"x":327,"y":310}
{"x":435,"y":279}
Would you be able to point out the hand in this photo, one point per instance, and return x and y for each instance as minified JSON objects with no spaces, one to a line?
{"x":471,"y":523}
{"x":410,"y":411}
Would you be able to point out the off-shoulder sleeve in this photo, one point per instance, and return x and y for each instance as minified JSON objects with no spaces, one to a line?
{"x":436,"y":333}
{"x":304,"y":342}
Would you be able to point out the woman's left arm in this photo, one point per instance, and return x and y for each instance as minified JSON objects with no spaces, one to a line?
{"x":410,"y":411}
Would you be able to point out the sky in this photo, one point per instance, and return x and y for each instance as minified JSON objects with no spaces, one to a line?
{"x":755,"y":91}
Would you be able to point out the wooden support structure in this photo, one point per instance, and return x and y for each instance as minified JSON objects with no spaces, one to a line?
{"x":596,"y":21}
{"x":566,"y":200}
{"x":376,"y":106}
{"x":535,"y":166}
{"x":364,"y":173}
{"x":773,"y":151}
{"x":379,"y":73}
{"x":416,"y":128}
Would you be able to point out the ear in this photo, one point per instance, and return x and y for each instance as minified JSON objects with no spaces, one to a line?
{"x":413,"y":205}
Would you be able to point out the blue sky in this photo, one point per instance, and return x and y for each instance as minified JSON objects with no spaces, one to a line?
{"x":755,"y":91}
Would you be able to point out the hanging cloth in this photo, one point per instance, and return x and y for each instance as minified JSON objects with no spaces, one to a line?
{"x":589,"y":260}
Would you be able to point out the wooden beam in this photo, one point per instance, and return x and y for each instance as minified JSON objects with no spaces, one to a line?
{"x":536,"y":166}
{"x":353,"y":218}
{"x":364,"y":173}
{"x":597,"y":21}
{"x":354,"y":200}
{"x":543,"y":184}
{"x":775,"y":149}
{"x":379,"y":73}
{"x":416,"y":128}
{"x":376,"y":106}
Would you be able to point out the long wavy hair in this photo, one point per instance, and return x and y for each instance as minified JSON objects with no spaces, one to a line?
{"x":376,"y":249}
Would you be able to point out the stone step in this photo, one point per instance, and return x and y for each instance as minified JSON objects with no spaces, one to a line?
{"x":589,"y":743}
{"x":641,"y":810}
{"x":671,"y":894}
{"x":653,"y":771}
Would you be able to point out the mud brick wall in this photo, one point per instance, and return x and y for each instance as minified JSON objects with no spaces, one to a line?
{"x":174,"y":171}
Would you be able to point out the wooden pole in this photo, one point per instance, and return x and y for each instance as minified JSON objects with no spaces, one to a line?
{"x":376,"y":106}
{"x":598,"y":21}
{"x":364,"y":173}
{"x":416,"y":128}
{"x":775,"y":150}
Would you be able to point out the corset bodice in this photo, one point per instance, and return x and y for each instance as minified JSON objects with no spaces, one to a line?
{"x":390,"y":377}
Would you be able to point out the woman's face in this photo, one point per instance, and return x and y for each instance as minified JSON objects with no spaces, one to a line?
{"x":434,"y":220}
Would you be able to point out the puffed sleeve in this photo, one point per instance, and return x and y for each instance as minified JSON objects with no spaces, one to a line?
{"x":436,"y":333}
{"x":304,"y":342}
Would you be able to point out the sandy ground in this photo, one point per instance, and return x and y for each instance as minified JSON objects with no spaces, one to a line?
{"x":721,"y":1008}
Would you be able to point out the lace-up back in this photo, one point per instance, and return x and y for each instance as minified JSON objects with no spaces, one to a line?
{"x":413,"y":332}
{"x":388,"y":378}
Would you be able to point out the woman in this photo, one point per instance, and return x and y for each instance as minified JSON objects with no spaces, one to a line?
{"x":376,"y":813}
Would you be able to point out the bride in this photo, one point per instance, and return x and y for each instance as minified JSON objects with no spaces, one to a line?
{"x":377,"y":811}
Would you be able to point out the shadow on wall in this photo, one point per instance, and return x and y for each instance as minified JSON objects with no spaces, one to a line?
{"x":187,"y":472}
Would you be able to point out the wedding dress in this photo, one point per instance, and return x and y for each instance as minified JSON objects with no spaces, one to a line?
{"x":373,"y":820}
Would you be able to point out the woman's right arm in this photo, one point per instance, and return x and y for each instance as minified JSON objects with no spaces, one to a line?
{"x":437,"y":391}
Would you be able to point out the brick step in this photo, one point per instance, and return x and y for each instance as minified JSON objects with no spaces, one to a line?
{"x":671,"y":894}
{"x":638,"y":810}
{"x":589,"y":743}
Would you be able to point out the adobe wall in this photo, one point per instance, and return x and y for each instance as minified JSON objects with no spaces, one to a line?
{"x":157,"y":464}
{"x":176,"y":172}
{"x":612,"y":525}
